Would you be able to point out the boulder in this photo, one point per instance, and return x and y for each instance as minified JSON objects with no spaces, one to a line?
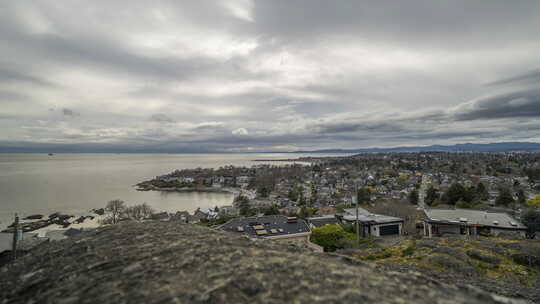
{"x":452,"y":264}
{"x":529,"y":260}
{"x":478,"y":255}
{"x":426,"y":243}
{"x":34,"y":217}
{"x":453,"y":252}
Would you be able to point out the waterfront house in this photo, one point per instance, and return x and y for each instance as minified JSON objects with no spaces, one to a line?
{"x":441,"y":222}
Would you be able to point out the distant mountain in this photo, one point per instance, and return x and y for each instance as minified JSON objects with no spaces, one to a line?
{"x":468,"y":147}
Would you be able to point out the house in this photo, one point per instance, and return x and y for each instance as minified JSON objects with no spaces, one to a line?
{"x":274,"y":227}
{"x":228,"y":210}
{"x":319,"y":221}
{"x":441,"y":222}
{"x":372,"y":224}
{"x":181,"y":216}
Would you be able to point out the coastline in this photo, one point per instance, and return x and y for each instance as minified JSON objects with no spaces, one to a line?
{"x":234,"y":191}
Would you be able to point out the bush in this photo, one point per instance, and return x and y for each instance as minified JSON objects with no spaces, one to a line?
{"x":332,"y":237}
{"x":408,"y":251}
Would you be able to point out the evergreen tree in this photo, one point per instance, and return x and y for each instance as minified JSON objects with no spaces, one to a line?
{"x":431,"y":196}
{"x":363,"y":195}
{"x":481,"y":192}
{"x":531,"y":219}
{"x":505,"y":197}
{"x":454,"y":194}
{"x":413,"y":197}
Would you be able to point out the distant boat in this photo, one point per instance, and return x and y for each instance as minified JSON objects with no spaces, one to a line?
{"x":51,"y":154}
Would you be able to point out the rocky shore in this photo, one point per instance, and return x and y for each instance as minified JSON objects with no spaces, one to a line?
{"x":168,"y":262}
{"x":36,"y":222}
{"x":146,"y":186}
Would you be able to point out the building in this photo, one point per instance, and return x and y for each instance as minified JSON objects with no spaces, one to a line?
{"x":315,"y":222}
{"x":372,"y":224}
{"x":275,"y":227}
{"x":441,"y":222}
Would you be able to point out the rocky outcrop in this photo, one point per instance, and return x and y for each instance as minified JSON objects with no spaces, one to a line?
{"x":169,"y":262}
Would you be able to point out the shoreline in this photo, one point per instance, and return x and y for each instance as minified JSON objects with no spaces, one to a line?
{"x":189,"y":189}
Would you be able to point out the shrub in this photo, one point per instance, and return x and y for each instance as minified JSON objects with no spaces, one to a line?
{"x":332,"y":237}
{"x":408,"y":251}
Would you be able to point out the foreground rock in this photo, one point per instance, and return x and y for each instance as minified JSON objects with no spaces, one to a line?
{"x":166,"y":262}
{"x":509,"y":268}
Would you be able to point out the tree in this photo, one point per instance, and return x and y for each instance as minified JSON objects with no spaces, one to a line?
{"x":481,"y":192}
{"x":469,"y":195}
{"x":115,"y":208}
{"x":331,"y":237}
{"x":293,"y":194}
{"x":243,"y":205}
{"x":531,"y":219}
{"x":272,"y":210}
{"x":363,"y":195}
{"x":138,"y":212}
{"x":454,"y":194}
{"x":413,"y":197}
{"x":505,"y":197}
{"x":306,"y":212}
{"x":263,"y":191}
{"x":431,"y":196}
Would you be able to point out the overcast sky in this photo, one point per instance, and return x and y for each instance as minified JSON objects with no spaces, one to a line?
{"x":242,"y":75}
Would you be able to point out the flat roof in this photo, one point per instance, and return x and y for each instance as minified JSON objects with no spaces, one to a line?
{"x":274,"y":225}
{"x":479,"y":217}
{"x":366,"y":216}
{"x":322,"y":220}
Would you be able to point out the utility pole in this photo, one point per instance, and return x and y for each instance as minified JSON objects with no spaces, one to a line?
{"x":357,"y":223}
{"x":15,"y":237}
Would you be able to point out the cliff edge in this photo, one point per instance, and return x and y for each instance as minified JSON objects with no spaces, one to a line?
{"x":167,"y":262}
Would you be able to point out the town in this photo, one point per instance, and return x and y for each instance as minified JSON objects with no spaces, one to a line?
{"x":391,"y":184}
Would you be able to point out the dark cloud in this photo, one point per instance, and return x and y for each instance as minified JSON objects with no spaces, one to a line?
{"x":532,"y":77}
{"x":69,"y":112}
{"x":160,"y":117}
{"x":518,"y":104}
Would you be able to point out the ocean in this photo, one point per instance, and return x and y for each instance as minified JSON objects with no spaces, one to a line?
{"x":76,"y":183}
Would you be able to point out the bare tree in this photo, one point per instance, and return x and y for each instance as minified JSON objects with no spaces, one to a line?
{"x":138,"y":212}
{"x":115,"y":208}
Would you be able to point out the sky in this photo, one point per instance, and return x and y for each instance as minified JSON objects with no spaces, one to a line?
{"x":276,"y":75}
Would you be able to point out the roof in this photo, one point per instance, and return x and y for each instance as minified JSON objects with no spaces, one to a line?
{"x":322,"y":220}
{"x":266,"y":226}
{"x":457,"y":216}
{"x":365,"y":216}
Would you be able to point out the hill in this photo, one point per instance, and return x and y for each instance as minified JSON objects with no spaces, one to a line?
{"x":467,"y":147}
{"x":166,"y":262}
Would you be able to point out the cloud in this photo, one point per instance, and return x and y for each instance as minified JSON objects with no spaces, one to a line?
{"x":69,"y":112}
{"x":517,"y":104}
{"x":160,"y":117}
{"x":532,"y":77}
{"x":240,"y":132}
{"x":243,"y":74}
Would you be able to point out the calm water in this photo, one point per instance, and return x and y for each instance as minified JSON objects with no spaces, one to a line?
{"x":73,"y":183}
